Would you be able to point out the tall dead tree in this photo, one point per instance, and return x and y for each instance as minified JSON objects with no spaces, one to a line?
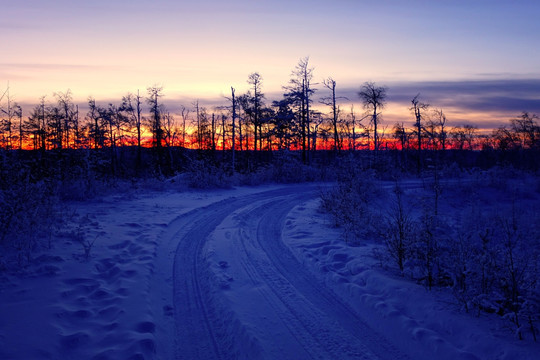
{"x":255,"y":80}
{"x":330,"y":84}
{"x":223,"y":132}
{"x":67,"y":111}
{"x":374,"y":98}
{"x":7,"y":123}
{"x":154,"y":93}
{"x":35,"y":126}
{"x":156,"y":110}
{"x":353,"y":124}
{"x":418,"y":108}
{"x":198,"y":120}
{"x":43,"y":127}
{"x":233,"y":100}
{"x":301,"y":89}
{"x":185,"y":115}
{"x":131,"y":105}
{"x":19,"y":113}
{"x":213,"y":133}
{"x":442,"y":133}
{"x":93,"y":116}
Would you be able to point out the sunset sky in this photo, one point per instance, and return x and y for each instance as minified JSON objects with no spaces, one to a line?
{"x":477,"y":59}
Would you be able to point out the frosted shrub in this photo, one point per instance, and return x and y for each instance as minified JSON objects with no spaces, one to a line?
{"x":79,"y":235}
{"x":427,"y":250}
{"x":288,"y":168}
{"x":27,"y":218}
{"x":398,"y":230}
{"x":350,"y":203}
{"x":519,"y":273}
{"x":472,"y":263}
{"x":203,"y":175}
{"x":494,"y":265}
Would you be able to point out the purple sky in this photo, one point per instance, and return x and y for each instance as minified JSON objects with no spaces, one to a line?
{"x":460,"y":55}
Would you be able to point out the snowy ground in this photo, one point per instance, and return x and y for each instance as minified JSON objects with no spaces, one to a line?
{"x":252,"y":273}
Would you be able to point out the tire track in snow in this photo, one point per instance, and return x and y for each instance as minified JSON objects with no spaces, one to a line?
{"x":203,"y":331}
{"x":326,"y":327}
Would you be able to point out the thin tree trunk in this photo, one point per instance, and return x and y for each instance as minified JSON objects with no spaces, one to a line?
{"x":233,"y":126}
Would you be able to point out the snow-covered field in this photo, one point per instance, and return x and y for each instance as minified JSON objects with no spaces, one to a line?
{"x":250,"y":273}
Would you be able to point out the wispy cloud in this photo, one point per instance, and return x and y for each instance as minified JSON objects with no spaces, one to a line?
{"x":506,"y":96}
{"x":42,"y":66}
{"x":475,"y":95}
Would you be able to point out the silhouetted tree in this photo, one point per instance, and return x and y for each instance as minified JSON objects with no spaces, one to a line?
{"x":131,"y":106}
{"x":95,"y":124}
{"x":154,"y":93}
{"x":399,"y":230}
{"x":463,"y":136}
{"x":354,"y":123}
{"x":6,"y":123}
{"x":374,"y":98}
{"x":330,"y":84}
{"x":35,"y":126}
{"x":185,"y":115}
{"x":526,"y":130}
{"x":301,"y":91}
{"x":67,"y":112}
{"x":256,"y":100}
{"x":234,"y":105}
{"x":418,"y":108}
{"x":283,"y":123}
{"x":440,"y":122}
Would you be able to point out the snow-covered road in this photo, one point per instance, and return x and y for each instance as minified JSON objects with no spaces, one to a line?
{"x":240,"y":293}
{"x":245,"y":273}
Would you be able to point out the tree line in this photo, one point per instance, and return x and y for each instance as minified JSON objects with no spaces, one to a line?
{"x":249,"y":123}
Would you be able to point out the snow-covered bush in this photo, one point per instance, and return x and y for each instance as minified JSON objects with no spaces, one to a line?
{"x":398,"y":230}
{"x":480,"y":237}
{"x":351,"y":202}
{"x":28,"y":216}
{"x":204,"y":175}
{"x":429,"y":251}
{"x":494,"y":265}
{"x":288,"y":168}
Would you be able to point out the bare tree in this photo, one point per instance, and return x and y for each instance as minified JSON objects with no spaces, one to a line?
{"x":7,"y":123}
{"x":399,"y":230}
{"x":255,"y":80}
{"x":374,"y":98}
{"x":156,"y":110}
{"x":418,"y":108}
{"x":464,"y":136}
{"x":245,"y":116}
{"x":223,"y":132}
{"x":526,"y":130}
{"x":110,"y":118}
{"x":96,"y":131}
{"x":442,"y":134}
{"x":67,"y":111}
{"x":131,"y":105}
{"x":17,"y":111}
{"x":35,"y":126}
{"x":213,"y":133}
{"x":330,"y":84}
{"x":301,"y":89}
{"x":155,"y":122}
{"x":185,"y":115}
{"x":401,"y":135}
{"x":354,"y":124}
{"x":233,"y":100}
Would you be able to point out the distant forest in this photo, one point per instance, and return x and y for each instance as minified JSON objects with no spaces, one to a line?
{"x":139,"y":136}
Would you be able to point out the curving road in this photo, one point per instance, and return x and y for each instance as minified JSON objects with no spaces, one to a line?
{"x":239,"y":293}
